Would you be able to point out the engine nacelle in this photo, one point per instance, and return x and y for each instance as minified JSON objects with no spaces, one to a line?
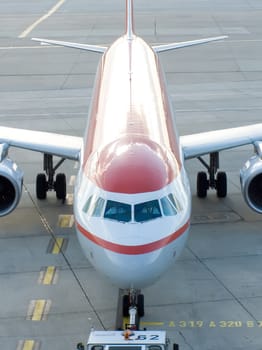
{"x":251,"y":183}
{"x":11,"y":181}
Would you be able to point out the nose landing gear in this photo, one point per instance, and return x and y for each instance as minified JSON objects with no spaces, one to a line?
{"x":132,"y":309}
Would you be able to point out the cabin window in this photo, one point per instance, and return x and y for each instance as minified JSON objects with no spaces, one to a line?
{"x":118,"y":211}
{"x":147,"y":211}
{"x":97,"y":347}
{"x":124,"y":347}
{"x":168,"y":208}
{"x":154,"y":347}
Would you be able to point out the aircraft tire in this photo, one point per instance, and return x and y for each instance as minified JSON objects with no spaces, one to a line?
{"x":202,"y":184}
{"x":140,"y":305}
{"x":41,"y":186}
{"x":221,"y":184}
{"x":60,"y":186}
{"x":126,"y":305}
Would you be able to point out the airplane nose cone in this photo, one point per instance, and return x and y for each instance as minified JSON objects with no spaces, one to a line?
{"x":133,"y":167}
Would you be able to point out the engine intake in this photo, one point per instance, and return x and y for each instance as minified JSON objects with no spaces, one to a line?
{"x":251,"y":183}
{"x":11,"y":181}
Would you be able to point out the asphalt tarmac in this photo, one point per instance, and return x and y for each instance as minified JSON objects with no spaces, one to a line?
{"x":50,"y":296}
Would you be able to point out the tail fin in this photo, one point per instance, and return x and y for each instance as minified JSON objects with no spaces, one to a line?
{"x":129,"y":19}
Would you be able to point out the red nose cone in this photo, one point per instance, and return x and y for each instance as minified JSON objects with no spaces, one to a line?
{"x":132,"y":168}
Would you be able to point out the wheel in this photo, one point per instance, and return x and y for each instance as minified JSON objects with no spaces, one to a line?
{"x":221,"y":184}
{"x":140,"y":305}
{"x":60,"y":186}
{"x":202,"y":184}
{"x":175,"y":346}
{"x":41,"y":186}
{"x":126,"y":305}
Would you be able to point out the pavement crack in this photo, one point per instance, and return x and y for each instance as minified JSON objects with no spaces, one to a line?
{"x":202,"y":262}
{"x":185,"y":340}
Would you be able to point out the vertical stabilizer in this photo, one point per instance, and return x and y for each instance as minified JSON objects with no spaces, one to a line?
{"x":129,"y":19}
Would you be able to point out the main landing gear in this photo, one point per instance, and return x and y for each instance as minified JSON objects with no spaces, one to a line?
{"x":217,"y":179}
{"x":47,"y":181}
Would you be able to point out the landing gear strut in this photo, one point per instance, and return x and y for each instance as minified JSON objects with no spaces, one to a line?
{"x":133,"y":307}
{"x":45,"y":181}
{"x":217,"y":179}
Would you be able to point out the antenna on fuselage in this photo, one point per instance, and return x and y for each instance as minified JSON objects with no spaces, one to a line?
{"x":129,"y":19}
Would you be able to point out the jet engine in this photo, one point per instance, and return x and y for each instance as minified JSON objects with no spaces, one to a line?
{"x":251,"y":182}
{"x":11,"y":181}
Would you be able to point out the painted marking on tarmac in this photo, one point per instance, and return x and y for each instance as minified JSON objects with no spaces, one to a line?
{"x":155,"y":324}
{"x":215,"y":217}
{"x":38,"y":310}
{"x":76,"y":165}
{"x":41,"y":19}
{"x":48,"y":275}
{"x":28,"y":345}
{"x":65,"y":221}
{"x":72,"y":180}
{"x":57,"y":246}
{"x":70,"y":199}
{"x":125,"y":322}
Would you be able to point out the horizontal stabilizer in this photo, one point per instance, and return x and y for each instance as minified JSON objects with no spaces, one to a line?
{"x":86,"y":47}
{"x":179,"y":45}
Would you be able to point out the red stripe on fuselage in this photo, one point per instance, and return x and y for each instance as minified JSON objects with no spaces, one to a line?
{"x":137,"y":249}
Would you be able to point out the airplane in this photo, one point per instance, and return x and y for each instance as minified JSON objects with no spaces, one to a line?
{"x":132,"y":199}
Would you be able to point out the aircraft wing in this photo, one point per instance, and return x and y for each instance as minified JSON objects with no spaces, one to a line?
{"x":203,"y":143}
{"x":64,"y":146}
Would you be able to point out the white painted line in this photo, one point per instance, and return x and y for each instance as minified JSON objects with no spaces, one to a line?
{"x":76,"y":165}
{"x":72,"y":180}
{"x":41,"y":19}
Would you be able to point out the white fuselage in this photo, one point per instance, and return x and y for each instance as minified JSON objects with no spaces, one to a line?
{"x":132,"y":197}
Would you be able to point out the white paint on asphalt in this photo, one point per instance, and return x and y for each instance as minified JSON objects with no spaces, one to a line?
{"x":28,"y":30}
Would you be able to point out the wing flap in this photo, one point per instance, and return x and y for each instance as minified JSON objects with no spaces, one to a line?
{"x":64,"y":146}
{"x":203,"y":143}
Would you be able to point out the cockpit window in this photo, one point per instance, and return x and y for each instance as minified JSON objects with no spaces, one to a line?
{"x":98,"y":207}
{"x":122,"y":212}
{"x":87,"y":204}
{"x":118,"y":211}
{"x":147,"y":211}
{"x":94,"y":206}
{"x":175,"y":202}
{"x":168,"y":208}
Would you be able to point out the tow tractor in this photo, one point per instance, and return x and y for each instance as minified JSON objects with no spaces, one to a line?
{"x":129,"y":338}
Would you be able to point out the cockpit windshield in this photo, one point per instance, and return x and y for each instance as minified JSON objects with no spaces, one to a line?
{"x":147,"y":211}
{"x":117,"y":211}
{"x":140,"y":212}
